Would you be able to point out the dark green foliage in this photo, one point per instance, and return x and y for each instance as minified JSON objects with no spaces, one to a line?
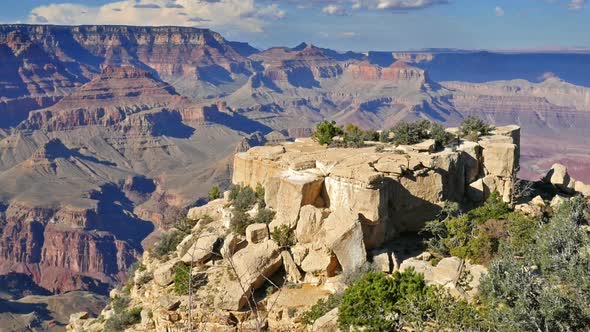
{"x":325,"y":131}
{"x":411,"y":133}
{"x":264,"y":216}
{"x":182,"y":282}
{"x":354,"y":137}
{"x":439,"y":135}
{"x":474,"y":125}
{"x":322,"y":307}
{"x":122,"y":317}
{"x":260,"y":192}
{"x":475,"y":235}
{"x":214,"y":193}
{"x":373,"y":302}
{"x":419,"y":131}
{"x":185,"y":225}
{"x":283,"y":236}
{"x":168,"y":243}
{"x":371,"y":135}
{"x":240,"y":221}
{"x":437,"y":308}
{"x":243,"y":198}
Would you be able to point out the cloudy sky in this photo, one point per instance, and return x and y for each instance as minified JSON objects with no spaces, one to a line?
{"x":341,"y":24}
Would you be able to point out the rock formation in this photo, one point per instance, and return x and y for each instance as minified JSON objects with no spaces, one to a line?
{"x":386,"y":192}
{"x":345,"y":208}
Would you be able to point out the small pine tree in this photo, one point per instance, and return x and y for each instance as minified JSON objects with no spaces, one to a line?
{"x":214,"y":193}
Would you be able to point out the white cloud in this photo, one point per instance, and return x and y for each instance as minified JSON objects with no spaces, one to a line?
{"x":577,"y":4}
{"x":334,"y":10}
{"x":349,"y":34}
{"x":499,"y":11}
{"x":401,"y":5}
{"x":231,"y":14}
{"x":395,"y":4}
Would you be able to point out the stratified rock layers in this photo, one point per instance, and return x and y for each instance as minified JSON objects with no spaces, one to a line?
{"x":388,"y":192}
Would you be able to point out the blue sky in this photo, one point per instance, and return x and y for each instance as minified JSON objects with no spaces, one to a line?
{"x":340,"y":24}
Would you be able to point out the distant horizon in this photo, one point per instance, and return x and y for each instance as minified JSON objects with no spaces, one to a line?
{"x":536,"y":49}
{"x":357,"y":25}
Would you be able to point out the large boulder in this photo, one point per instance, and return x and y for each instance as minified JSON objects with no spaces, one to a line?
{"x":344,"y":236}
{"x":231,"y":244}
{"x":471,"y":158}
{"x":560,"y":178}
{"x":293,"y":273}
{"x":164,"y":275}
{"x":212,"y":209}
{"x":450,"y":272}
{"x":250,"y":266}
{"x":310,"y":223}
{"x":295,"y":190}
{"x":328,"y":322}
{"x":320,"y":262}
{"x":499,"y":159}
{"x":257,"y":233}
{"x":201,"y":250}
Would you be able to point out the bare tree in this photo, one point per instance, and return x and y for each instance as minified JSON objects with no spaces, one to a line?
{"x":521,"y":189}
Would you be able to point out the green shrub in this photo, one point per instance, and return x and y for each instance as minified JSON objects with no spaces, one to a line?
{"x":240,"y":221}
{"x":371,"y":136}
{"x":185,"y":225}
{"x":437,"y":310}
{"x":473,"y":124}
{"x":167,"y":243}
{"x":243,"y":197}
{"x":440,"y":135}
{"x":260,"y":192}
{"x":325,"y":131}
{"x":182,"y":281}
{"x":123,"y":319}
{"x":476,"y":235}
{"x":542,"y":281}
{"x":419,"y":131}
{"x":411,"y":133}
{"x":283,"y":236}
{"x":322,"y":307}
{"x":264,"y":216}
{"x":214,"y":193}
{"x":373,"y":302}
{"x":354,"y":137}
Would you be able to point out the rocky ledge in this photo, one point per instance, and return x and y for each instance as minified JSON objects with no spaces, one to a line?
{"x":344,"y":209}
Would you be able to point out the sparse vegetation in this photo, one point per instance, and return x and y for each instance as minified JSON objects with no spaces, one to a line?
{"x":264,"y":216}
{"x":168,"y":243}
{"x":123,"y":317}
{"x":240,"y":221}
{"x":185,"y":225}
{"x":243,"y":197}
{"x":539,"y":276}
{"x":413,"y":133}
{"x":325,"y":132}
{"x":283,"y":236}
{"x":543,"y":283}
{"x":473,"y":127}
{"x":322,"y":307}
{"x":475,"y":235}
{"x":182,"y":283}
{"x":214,"y":193}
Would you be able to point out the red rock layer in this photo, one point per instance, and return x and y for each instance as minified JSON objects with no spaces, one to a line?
{"x":399,"y":71}
{"x":59,"y":254}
